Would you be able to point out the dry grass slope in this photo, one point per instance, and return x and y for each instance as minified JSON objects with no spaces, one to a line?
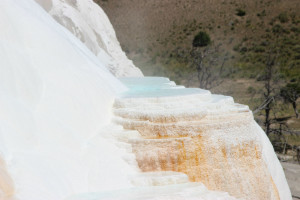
{"x":157,"y":35}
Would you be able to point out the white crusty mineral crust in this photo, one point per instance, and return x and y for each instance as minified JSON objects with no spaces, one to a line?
{"x":88,"y":22}
{"x":58,"y":140}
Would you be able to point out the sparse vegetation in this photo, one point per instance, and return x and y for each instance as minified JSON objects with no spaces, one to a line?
{"x":251,"y":90}
{"x":240,"y":12}
{"x":244,"y":31}
{"x":202,"y":39}
{"x":291,"y":93}
{"x":283,"y":17}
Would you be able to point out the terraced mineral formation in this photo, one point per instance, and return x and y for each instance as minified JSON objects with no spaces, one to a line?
{"x":70,"y":130}
{"x":208,"y":137}
{"x":154,"y":185}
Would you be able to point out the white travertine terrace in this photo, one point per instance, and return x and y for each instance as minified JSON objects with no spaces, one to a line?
{"x":208,"y":137}
{"x":154,"y":185}
{"x":70,"y":130}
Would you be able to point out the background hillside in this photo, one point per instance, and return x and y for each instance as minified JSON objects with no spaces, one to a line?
{"x":157,"y":35}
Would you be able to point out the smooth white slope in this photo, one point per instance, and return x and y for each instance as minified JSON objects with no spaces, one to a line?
{"x":274,"y":165}
{"x":54,"y":96}
{"x":88,"y":22}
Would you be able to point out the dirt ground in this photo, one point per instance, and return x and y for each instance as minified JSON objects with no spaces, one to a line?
{"x":292,"y":173}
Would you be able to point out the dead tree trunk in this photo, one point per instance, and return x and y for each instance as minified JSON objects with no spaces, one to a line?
{"x":295,"y":109}
{"x":268,"y":91}
{"x":267,"y":118}
{"x":206,"y":62}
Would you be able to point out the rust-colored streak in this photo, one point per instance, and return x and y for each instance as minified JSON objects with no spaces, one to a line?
{"x":237,"y":169}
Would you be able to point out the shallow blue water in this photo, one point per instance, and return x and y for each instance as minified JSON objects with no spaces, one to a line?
{"x":156,"y":87}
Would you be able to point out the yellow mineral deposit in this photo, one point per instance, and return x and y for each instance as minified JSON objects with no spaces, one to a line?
{"x":238,"y":170}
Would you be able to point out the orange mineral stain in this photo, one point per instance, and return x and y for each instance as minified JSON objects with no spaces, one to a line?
{"x":7,"y":189}
{"x":238,"y":169}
